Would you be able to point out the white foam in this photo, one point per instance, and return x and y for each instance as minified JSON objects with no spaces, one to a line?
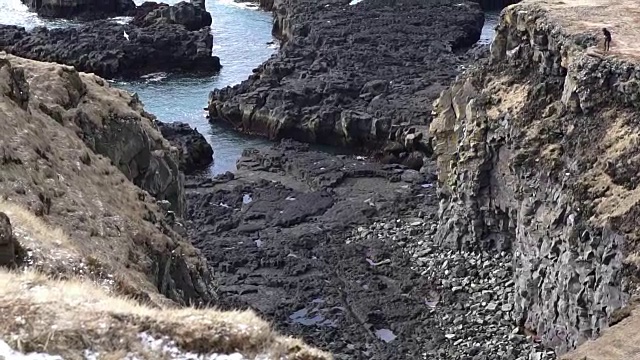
{"x":244,"y":5}
{"x":14,"y":12}
{"x":354,"y":2}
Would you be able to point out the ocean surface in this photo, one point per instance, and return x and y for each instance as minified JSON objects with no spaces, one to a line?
{"x":242,"y":39}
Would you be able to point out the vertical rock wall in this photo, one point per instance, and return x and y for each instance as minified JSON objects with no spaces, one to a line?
{"x":537,"y":153}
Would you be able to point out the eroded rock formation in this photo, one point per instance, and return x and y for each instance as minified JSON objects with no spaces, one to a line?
{"x":71,"y":149}
{"x":81,"y":9}
{"x":100,"y":47}
{"x":537,"y":154}
{"x":351,"y":74}
{"x":195,"y":152}
{"x":192,"y":16}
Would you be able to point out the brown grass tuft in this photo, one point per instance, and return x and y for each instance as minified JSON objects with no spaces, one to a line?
{"x":69,"y":317}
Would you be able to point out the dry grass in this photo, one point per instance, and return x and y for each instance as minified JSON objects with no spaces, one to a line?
{"x":620,"y":342}
{"x":69,"y":317}
{"x":619,"y":16}
{"x":49,"y":178}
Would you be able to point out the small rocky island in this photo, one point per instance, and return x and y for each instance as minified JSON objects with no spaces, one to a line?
{"x":174,"y":38}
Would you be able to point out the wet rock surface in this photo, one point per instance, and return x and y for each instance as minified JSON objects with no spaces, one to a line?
{"x":195,"y":152}
{"x":352,"y":74}
{"x":338,"y":250}
{"x":101,"y":47}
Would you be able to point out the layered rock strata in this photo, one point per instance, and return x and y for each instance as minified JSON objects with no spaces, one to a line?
{"x":352,"y":74}
{"x":537,"y":154}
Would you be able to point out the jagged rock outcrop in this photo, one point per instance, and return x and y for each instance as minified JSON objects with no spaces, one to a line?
{"x":100,"y":47}
{"x":191,"y":15}
{"x":351,"y":74}
{"x":537,"y":154}
{"x":71,"y":149}
{"x":127,"y":136}
{"x":195,"y":152}
{"x":7,"y":242}
{"x":81,"y":9}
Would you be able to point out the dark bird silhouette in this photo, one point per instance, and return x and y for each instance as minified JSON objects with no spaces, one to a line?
{"x":607,"y":39}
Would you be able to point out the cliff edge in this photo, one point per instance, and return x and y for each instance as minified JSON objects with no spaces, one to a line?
{"x":90,"y":202}
{"x":538,"y":153}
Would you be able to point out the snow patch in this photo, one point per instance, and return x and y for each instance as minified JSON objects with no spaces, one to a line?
{"x":6,"y":352}
{"x":168,"y":347}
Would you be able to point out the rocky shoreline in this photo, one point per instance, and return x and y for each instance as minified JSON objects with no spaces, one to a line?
{"x":355,"y":75}
{"x":161,"y":38}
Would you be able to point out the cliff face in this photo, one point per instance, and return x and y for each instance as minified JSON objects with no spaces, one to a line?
{"x":71,"y":149}
{"x":538,"y":151}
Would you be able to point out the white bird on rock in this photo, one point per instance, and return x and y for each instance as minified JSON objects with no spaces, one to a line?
{"x":126,"y":36}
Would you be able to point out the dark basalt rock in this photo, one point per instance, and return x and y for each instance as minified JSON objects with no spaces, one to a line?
{"x":144,"y":9}
{"x":7,"y":242}
{"x":190,"y":15}
{"x":351,"y":74}
{"x":81,"y":9}
{"x":277,"y":236}
{"x":100,"y":47}
{"x":195,"y":152}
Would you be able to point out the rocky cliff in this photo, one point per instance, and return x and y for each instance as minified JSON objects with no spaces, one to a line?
{"x":351,"y":74}
{"x":71,"y":149}
{"x":538,"y":152}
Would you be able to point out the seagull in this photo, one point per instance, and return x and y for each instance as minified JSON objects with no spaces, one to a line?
{"x":126,"y":36}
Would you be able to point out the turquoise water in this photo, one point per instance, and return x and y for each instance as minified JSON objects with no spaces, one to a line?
{"x":242,"y":39}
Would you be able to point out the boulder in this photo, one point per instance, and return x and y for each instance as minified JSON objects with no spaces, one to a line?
{"x":195,"y":152}
{"x":193,"y":16}
{"x":7,"y":242}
